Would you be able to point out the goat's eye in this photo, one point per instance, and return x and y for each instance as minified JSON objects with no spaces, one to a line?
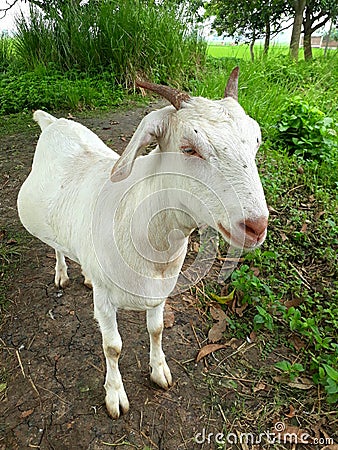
{"x":188,"y":150}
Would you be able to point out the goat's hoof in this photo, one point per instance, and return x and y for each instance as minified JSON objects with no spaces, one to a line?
{"x":61,"y":281}
{"x":88,"y":284}
{"x":117,"y":403}
{"x":161,"y":375}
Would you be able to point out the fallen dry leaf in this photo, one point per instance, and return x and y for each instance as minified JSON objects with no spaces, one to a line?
{"x":26,"y":413}
{"x":283,"y":236}
{"x":255,"y":271}
{"x":239,"y":311}
{"x":294,"y":302}
{"x":304,"y":228}
{"x":209,"y":348}
{"x":291,"y":413}
{"x":319,"y":214}
{"x":297,"y":342}
{"x":299,"y":383}
{"x":216,"y":331}
{"x":330,"y":447}
{"x":259,"y":387}
{"x":217,"y":312}
{"x":253,"y":336}
{"x":168,"y":316}
{"x":11,"y":242}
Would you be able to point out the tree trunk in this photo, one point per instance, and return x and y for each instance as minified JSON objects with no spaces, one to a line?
{"x":328,"y":38}
{"x":252,"y":43}
{"x":267,"y":38}
{"x":307,"y":35}
{"x":299,"y":6}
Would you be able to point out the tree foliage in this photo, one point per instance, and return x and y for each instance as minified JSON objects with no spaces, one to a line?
{"x":250,"y":20}
{"x":317,"y":14}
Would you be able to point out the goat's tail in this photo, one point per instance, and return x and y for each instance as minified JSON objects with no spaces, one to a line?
{"x":43,"y":119}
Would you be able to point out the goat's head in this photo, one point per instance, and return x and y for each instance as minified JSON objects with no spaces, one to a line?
{"x":217,"y":143}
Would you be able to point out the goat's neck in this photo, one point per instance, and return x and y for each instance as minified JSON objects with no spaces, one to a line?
{"x":168,"y":223}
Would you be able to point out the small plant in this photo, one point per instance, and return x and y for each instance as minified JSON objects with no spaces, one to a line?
{"x":307,"y":131}
{"x":5,"y":51}
{"x":292,"y":370}
{"x":329,"y":378}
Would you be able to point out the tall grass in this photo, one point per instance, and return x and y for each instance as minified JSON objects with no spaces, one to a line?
{"x":128,"y":38}
{"x":6,"y":49}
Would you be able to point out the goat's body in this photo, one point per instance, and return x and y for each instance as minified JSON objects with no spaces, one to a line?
{"x":126,"y":220}
{"x":61,"y":200}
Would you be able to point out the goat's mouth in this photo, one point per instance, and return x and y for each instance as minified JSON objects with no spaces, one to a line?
{"x":243,"y":239}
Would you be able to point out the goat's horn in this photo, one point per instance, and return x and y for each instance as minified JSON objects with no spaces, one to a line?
{"x":174,"y":96}
{"x":231,"y":89}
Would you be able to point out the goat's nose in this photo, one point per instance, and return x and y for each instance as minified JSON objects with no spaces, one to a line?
{"x":255,"y":228}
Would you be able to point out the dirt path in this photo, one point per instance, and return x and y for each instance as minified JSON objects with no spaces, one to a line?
{"x":52,"y":346}
{"x":52,"y":363}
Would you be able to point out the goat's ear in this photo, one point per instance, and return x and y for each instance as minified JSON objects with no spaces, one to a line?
{"x":231,"y":89}
{"x":150,"y":128}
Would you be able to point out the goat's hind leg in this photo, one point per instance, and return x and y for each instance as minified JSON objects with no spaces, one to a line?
{"x":160,"y":372}
{"x":105,"y":314}
{"x":61,"y":277}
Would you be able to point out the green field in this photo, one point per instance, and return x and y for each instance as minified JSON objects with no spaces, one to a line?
{"x":242,"y":51}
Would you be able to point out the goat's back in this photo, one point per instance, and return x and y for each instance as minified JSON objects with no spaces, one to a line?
{"x":69,"y":166}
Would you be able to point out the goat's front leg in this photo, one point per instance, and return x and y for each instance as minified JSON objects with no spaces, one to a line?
{"x":61,"y":276}
{"x":116,"y":397}
{"x":160,"y":372}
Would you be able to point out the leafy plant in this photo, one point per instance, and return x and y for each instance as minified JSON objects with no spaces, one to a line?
{"x":292,"y":370}
{"x":330,"y":383}
{"x":307,"y":131}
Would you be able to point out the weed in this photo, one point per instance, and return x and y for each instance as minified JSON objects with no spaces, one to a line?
{"x":307,"y":132}
{"x":292,"y":370}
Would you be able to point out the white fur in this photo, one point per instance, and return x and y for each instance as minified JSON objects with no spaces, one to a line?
{"x":105,"y":220}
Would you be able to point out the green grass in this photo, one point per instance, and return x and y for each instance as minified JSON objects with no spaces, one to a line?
{"x":299,"y":261}
{"x":242,"y":51}
{"x":128,"y":39}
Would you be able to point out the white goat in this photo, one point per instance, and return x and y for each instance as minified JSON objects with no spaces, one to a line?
{"x":127,"y":220}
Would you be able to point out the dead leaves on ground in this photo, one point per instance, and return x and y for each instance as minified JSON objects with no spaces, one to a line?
{"x":216,"y":331}
{"x":220,"y":317}
{"x":209,"y":348}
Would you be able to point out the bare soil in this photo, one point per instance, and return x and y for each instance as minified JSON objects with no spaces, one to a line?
{"x":53,"y":366}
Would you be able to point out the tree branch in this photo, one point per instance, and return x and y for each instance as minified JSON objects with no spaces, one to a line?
{"x":323,"y":22}
{"x":3,"y":11}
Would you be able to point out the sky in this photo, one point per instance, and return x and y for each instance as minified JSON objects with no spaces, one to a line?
{"x":7,"y":23}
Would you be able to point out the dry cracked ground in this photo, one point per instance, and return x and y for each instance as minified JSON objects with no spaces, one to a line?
{"x":52,"y":365}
